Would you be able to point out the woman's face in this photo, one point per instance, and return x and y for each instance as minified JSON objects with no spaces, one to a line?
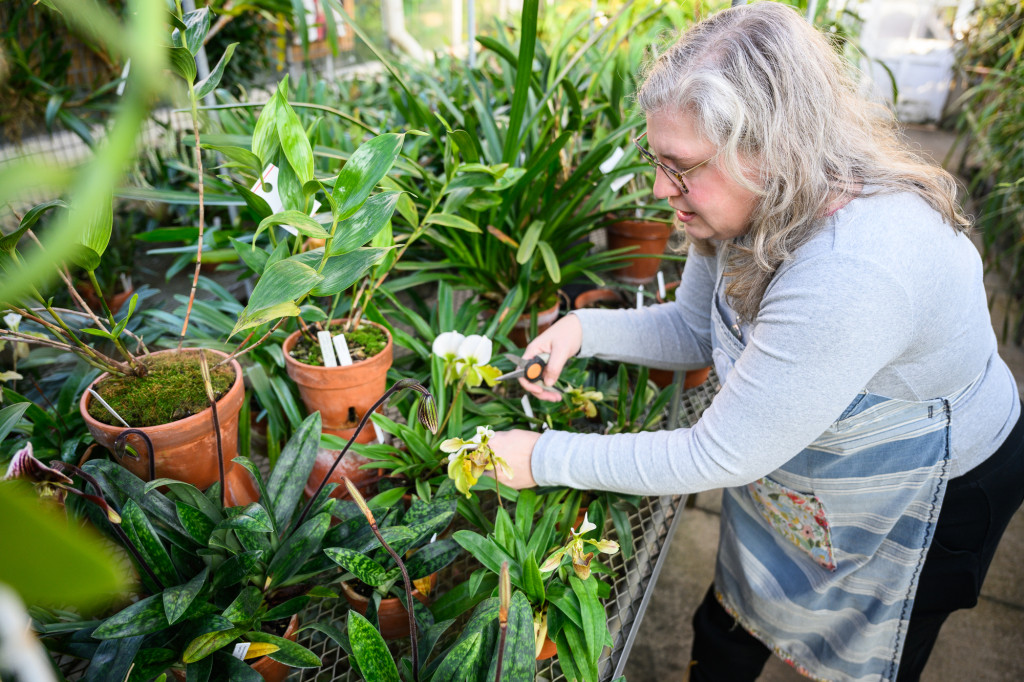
{"x":717,"y":207}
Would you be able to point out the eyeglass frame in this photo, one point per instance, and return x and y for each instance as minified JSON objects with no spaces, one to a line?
{"x":672,"y":173}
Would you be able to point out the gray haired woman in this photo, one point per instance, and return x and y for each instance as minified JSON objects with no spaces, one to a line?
{"x":867,"y":433}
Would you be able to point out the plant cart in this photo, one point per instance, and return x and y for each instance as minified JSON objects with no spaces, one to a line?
{"x":653,"y":523}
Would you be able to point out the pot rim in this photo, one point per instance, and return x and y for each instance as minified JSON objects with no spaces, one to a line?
{"x":237,"y":387}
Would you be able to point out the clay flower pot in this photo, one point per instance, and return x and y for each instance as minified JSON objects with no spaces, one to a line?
{"x":693,"y":377}
{"x":348,"y":467}
{"x":547,"y":649}
{"x":598,"y":298}
{"x":342,"y":395}
{"x":649,"y":239}
{"x":545,"y":318}
{"x":392,"y":616}
{"x":186,"y":450}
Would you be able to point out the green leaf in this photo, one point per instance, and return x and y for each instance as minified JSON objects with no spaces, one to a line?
{"x":209,"y":642}
{"x":340,"y":272}
{"x":529,"y":242}
{"x":533,"y":581}
{"x":359,"y":565}
{"x":243,"y":609}
{"x":95,"y":233}
{"x":237,"y":568}
{"x":10,"y":416}
{"x":240,"y":155}
{"x":255,"y":259}
{"x":451,"y":220}
{"x":488,"y":553}
{"x":253,"y":518}
{"x":519,"y":662}
{"x":197,"y":524}
{"x":198,"y":25}
{"x":550,"y":261}
{"x":294,"y":465}
{"x":364,"y":224}
{"x":255,"y":202}
{"x":288,"y":652}
{"x":364,"y":169}
{"x":141,"y":618}
{"x":144,"y":536}
{"x":276,"y":292}
{"x":209,"y":84}
{"x":303,"y":223}
{"x":463,"y":656}
{"x":370,"y":651}
{"x":297,"y":549}
{"x":177,"y":599}
{"x":182,"y":62}
{"x":288,"y":608}
{"x":265,"y":141}
{"x":594,"y":618}
{"x":524,"y":72}
{"x":294,"y":141}
{"x":432,"y":558}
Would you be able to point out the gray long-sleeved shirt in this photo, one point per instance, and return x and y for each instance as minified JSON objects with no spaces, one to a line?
{"x":886,"y":298}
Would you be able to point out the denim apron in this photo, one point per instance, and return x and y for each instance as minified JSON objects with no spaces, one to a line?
{"x":820,"y":559}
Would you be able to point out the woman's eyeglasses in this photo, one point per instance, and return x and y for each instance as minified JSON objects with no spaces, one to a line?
{"x":673,"y":174}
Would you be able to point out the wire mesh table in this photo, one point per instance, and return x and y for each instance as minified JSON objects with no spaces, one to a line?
{"x":653,"y":524}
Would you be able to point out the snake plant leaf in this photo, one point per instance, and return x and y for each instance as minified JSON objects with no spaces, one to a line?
{"x":182,"y":62}
{"x":364,"y":224}
{"x":197,"y":524}
{"x":363,"y":170}
{"x":464,"y":656}
{"x":141,"y":618}
{"x":95,"y":234}
{"x":209,"y":642}
{"x":177,"y":599}
{"x":242,"y":611}
{"x":252,"y":518}
{"x":288,"y":608}
{"x":359,"y":565}
{"x":519,"y":662}
{"x":293,"y":138}
{"x":144,"y":536}
{"x":288,"y":652}
{"x":369,"y":650}
{"x":257,"y":477}
{"x":237,"y":568}
{"x":297,"y":549}
{"x":451,"y":220}
{"x":294,"y":465}
{"x":210,"y":83}
{"x":276,"y":292}
{"x":432,"y":558}
{"x":302,"y":223}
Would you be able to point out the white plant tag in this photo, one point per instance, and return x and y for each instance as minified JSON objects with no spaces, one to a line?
{"x":327,"y":349}
{"x":527,"y":407}
{"x":612,"y":161}
{"x":124,"y":77}
{"x":273,"y":197}
{"x":341,"y":346}
{"x":241,"y":649}
{"x":617,"y":183}
{"x":376,"y":430}
{"x":661,"y":284}
{"x":640,"y":297}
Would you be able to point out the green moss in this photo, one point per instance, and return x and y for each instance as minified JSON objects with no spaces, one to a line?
{"x":363,"y":343}
{"x":172,"y":390}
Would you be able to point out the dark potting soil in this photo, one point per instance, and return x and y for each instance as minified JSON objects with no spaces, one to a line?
{"x":171,"y":390}
{"x":363,"y":342}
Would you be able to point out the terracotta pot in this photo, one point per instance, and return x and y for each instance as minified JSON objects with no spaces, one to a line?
{"x":268,"y":668}
{"x":341,"y":394}
{"x":348,"y":467}
{"x":545,"y":318}
{"x":692,"y":379}
{"x":392,"y":616}
{"x":93,"y":301}
{"x":547,"y":649}
{"x":649,"y":238}
{"x":670,"y":287}
{"x":186,"y":450}
{"x":592,"y":298}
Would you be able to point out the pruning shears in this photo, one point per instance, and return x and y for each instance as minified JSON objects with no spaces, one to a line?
{"x":531,"y":370}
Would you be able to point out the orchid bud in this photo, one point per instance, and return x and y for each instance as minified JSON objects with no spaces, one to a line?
{"x":360,"y":502}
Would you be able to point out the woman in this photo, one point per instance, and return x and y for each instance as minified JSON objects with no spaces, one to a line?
{"x":866,"y":430}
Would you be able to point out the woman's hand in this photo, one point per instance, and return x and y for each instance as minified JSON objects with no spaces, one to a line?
{"x":516,"y":448}
{"x":561,"y":341}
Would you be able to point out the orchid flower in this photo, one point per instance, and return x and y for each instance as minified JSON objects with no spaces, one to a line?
{"x":51,"y":483}
{"x":576,"y":548}
{"x":582,"y":399}
{"x":465,"y":357}
{"x":468,"y":459}
{"x":446,"y":347}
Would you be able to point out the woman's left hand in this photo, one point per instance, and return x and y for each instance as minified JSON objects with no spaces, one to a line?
{"x":516,"y":448}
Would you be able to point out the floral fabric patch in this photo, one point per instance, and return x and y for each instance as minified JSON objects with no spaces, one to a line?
{"x":797,"y":517}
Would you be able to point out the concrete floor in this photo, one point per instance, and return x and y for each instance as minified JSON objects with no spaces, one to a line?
{"x":982,"y":644}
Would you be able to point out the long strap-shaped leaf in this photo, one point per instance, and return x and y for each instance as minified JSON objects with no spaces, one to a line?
{"x":524,"y":71}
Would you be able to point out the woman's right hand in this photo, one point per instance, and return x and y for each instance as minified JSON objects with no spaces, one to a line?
{"x":560,"y":341}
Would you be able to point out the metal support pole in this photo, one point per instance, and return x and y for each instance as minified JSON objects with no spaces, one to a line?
{"x":471,"y":31}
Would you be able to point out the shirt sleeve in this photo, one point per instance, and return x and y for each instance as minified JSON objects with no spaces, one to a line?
{"x":826,"y":326}
{"x":674,"y":335}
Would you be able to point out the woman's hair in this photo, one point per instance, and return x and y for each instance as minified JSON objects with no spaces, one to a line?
{"x":778,"y":102}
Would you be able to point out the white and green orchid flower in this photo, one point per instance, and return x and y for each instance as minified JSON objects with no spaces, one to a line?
{"x":576,"y":548}
{"x":446,"y":347}
{"x":466,"y":358}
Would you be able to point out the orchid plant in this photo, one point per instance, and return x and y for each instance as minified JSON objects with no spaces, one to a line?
{"x":469,"y":459}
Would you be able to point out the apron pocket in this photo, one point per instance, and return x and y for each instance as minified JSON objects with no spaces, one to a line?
{"x":723,"y":364}
{"x":799,"y":518}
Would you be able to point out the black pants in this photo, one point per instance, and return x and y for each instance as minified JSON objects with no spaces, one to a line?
{"x":975,"y":512}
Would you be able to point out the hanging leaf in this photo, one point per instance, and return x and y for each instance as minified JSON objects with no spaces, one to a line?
{"x":183,"y":63}
{"x":364,"y":169}
{"x":294,"y":142}
{"x":365,"y":223}
{"x":265,"y":141}
{"x":208,"y":84}
{"x":95,"y":234}
{"x":297,"y":219}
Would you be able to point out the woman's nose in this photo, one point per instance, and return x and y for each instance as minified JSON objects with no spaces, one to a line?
{"x":663,"y":187}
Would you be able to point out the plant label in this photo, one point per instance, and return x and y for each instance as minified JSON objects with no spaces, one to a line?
{"x":240,"y":650}
{"x":612,"y":161}
{"x":640,"y":297}
{"x":527,"y":407}
{"x":327,"y":349}
{"x":376,"y":430}
{"x":124,"y":77}
{"x":341,"y":347}
{"x":661,"y":285}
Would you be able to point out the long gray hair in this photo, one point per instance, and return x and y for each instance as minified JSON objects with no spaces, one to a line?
{"x":773,"y":96}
